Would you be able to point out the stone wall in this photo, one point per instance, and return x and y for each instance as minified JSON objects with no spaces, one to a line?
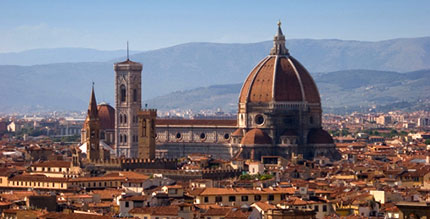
{"x":179,"y":149}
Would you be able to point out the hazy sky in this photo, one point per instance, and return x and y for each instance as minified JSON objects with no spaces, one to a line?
{"x":107,"y":25}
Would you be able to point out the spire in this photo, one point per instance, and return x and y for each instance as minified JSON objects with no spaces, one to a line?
{"x":279,"y":43}
{"x":279,"y":29}
{"x":128,"y":54}
{"x":92,"y":107}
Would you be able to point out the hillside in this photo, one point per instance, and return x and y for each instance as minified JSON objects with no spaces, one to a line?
{"x":59,"y":55}
{"x":341,"y":91}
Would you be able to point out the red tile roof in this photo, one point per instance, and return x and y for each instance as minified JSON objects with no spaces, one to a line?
{"x":279,"y":78}
{"x":197,"y":122}
{"x":256,"y":136}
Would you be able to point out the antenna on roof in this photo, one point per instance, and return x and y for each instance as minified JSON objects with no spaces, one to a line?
{"x":128,"y":56}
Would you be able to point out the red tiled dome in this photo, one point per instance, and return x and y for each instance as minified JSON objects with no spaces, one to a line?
{"x":279,"y":78}
{"x":319,"y":136}
{"x":106,"y":116}
{"x":256,"y":136}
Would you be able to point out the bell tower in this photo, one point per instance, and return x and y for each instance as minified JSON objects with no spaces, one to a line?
{"x":92,"y":130}
{"x":128,"y":96}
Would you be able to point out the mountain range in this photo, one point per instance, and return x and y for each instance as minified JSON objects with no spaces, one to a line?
{"x":66,"y":84}
{"x":59,"y":55}
{"x":341,"y":91}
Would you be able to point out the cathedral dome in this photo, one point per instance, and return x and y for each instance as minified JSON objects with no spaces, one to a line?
{"x":319,"y":136}
{"x":256,"y":136}
{"x":106,"y":116}
{"x":279,"y":78}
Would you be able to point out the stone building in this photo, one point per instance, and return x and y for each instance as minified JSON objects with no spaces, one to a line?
{"x":128,"y":102}
{"x":279,"y":114}
{"x":146,"y":137}
{"x":92,"y":136}
{"x":92,"y":128}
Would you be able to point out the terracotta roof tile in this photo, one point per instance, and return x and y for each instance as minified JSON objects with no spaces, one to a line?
{"x":53,"y":163}
{"x":197,"y":122}
{"x":256,"y":136}
{"x":292,"y":82}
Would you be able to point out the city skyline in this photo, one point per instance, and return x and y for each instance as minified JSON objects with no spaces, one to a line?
{"x":106,"y":25}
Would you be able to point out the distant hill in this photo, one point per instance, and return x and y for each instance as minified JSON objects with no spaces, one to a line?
{"x":59,"y":55}
{"x":341,"y":91}
{"x":65,"y":86}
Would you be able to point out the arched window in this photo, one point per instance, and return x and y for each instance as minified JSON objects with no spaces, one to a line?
{"x":120,"y":118}
{"x":123,"y":93}
{"x":125,"y":138}
{"x":120,"y":138}
{"x":134,"y":95}
{"x":125,"y":119}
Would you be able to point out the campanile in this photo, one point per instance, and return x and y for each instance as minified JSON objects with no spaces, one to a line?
{"x":128,"y":102}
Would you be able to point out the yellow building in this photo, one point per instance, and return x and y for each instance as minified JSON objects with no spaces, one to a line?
{"x":111,"y":180}
{"x":60,"y":169}
{"x":240,"y":196}
{"x":38,"y":182}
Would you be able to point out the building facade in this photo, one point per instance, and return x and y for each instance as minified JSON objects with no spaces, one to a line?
{"x":279,"y":114}
{"x":146,"y":141}
{"x":128,"y":102}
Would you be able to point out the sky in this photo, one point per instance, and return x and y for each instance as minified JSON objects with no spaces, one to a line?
{"x":148,"y":25}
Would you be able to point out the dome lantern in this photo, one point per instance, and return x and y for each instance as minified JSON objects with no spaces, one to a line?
{"x":279,"y":43}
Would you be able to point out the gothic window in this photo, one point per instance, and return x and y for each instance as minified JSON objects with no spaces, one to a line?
{"x":144,"y":128}
{"x":125,"y":138}
{"x":120,"y":138}
{"x":134,"y":95}
{"x":123,"y":93}
{"x":120,"y":118}
{"x":125,"y":119}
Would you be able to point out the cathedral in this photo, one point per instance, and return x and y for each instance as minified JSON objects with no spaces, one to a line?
{"x":279,"y":114}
